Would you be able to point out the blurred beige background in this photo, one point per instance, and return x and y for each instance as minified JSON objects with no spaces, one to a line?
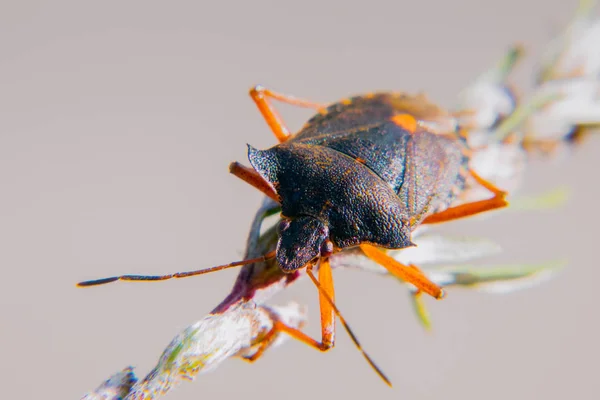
{"x":117,"y":123}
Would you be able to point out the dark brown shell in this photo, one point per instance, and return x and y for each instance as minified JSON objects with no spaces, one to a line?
{"x":364,"y":176}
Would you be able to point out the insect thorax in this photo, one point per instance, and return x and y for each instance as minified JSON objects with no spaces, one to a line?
{"x":353,"y":202}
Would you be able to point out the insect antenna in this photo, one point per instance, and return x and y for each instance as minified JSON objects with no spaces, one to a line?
{"x":347,"y":327}
{"x":186,"y":274}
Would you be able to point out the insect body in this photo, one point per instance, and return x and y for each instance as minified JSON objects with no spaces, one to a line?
{"x":362,"y":173}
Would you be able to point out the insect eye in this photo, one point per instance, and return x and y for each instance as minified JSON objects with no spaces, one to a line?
{"x":283,"y":226}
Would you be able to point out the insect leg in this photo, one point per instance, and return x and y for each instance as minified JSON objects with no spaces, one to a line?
{"x":252,"y":177}
{"x":327,"y":308}
{"x":261,"y":96}
{"x":326,"y":301}
{"x":410,"y":273}
{"x":475,"y":207}
{"x":264,"y":345}
{"x":328,"y":313}
{"x":327,"y":319}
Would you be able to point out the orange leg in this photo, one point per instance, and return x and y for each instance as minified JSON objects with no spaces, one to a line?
{"x":327,"y":319}
{"x":252,"y":177}
{"x":410,"y":274}
{"x":327,"y":308}
{"x":476,"y":207}
{"x":261,"y":96}
{"x":328,"y":313}
{"x":264,"y":344}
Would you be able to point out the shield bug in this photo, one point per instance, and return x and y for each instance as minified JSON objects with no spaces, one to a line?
{"x":362,"y":173}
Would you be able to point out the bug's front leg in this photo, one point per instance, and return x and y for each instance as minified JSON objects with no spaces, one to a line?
{"x":252,"y":178}
{"x":261,"y":97}
{"x":327,"y":320}
{"x":264,"y":344}
{"x":326,"y":305}
{"x":326,"y":297}
{"x":329,"y":312}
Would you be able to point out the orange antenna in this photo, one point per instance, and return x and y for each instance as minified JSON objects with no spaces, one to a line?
{"x":186,"y":274}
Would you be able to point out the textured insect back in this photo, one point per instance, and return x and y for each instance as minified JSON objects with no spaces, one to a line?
{"x":318,"y":181}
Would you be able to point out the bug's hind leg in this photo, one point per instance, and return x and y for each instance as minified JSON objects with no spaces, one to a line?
{"x":406,"y":273}
{"x":261,"y":97}
{"x":475,"y":207}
